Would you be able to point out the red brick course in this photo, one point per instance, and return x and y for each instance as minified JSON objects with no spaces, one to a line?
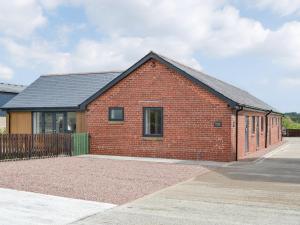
{"x":189,"y":116}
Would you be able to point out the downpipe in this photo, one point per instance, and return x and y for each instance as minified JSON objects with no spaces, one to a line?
{"x":267,"y":128}
{"x":240,"y":108}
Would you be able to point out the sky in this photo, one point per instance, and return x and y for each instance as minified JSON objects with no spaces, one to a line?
{"x":252,"y":44}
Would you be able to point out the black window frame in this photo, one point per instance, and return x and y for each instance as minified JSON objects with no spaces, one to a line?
{"x":262,"y":120}
{"x":53,"y":116}
{"x":161,"y":119}
{"x":110,"y":109}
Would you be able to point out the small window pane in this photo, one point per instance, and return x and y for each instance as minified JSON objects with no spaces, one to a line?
{"x":59,"y":123}
{"x":71,"y":122}
{"x":153,"y":121}
{"x":48,"y":123}
{"x":116,"y":114}
{"x":262,"y":123}
{"x":37,"y":122}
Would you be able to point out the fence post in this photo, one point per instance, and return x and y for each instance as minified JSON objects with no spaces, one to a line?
{"x":30,"y":145}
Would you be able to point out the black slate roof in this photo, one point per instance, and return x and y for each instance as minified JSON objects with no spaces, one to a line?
{"x":61,"y":91}
{"x":78,"y":90}
{"x":231,"y":92}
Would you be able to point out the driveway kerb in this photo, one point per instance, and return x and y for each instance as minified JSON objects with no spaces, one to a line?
{"x":156,"y":160}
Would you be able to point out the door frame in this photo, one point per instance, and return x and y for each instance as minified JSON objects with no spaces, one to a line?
{"x":246,"y":133}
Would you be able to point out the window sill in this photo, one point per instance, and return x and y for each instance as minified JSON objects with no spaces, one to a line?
{"x":115,"y":122}
{"x":153,"y":138}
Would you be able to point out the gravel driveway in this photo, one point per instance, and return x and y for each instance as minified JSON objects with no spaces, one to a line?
{"x":104,"y":180}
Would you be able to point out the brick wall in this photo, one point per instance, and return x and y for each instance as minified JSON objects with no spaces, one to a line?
{"x":189,"y":116}
{"x":275,"y":129}
{"x":252,"y":136}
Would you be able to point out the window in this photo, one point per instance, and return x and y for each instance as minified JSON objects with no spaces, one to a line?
{"x":54,"y":122}
{"x":153,"y":121}
{"x":48,"y":123}
{"x":253,"y":124}
{"x":37,"y":122}
{"x":116,"y":114}
{"x":71,"y":122}
{"x":262,"y":123}
{"x":59,"y":123}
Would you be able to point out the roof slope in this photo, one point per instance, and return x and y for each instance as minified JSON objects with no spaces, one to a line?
{"x":78,"y":90}
{"x":233,"y":93}
{"x":61,"y":91}
{"x":11,"y":88}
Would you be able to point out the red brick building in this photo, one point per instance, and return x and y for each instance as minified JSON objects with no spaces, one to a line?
{"x":158,"y":108}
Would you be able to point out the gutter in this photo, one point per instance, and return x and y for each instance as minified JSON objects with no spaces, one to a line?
{"x":240,"y":108}
{"x":267,"y":128}
{"x":41,"y":109}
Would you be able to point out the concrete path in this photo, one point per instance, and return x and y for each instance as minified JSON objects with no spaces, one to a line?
{"x":155,"y":160}
{"x":27,"y":208}
{"x":263,"y":192}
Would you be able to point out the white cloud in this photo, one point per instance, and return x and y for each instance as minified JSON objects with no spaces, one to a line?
{"x":63,"y":33}
{"x":53,"y":4}
{"x":281,"y":7}
{"x":19,"y":18}
{"x":39,"y":54}
{"x":233,"y":34}
{"x":283,"y":45}
{"x":120,"y":53}
{"x":176,"y":29}
{"x":6,"y":73}
{"x":206,"y":25}
{"x":90,"y":55}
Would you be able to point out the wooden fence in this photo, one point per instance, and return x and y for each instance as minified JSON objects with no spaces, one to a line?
{"x":292,"y":133}
{"x":26,"y":146}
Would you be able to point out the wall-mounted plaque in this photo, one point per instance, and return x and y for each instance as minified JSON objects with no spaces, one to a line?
{"x":218,"y":123}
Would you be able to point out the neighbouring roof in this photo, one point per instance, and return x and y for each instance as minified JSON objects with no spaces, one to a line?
{"x":11,"y":88}
{"x":78,"y":90}
{"x":61,"y":91}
